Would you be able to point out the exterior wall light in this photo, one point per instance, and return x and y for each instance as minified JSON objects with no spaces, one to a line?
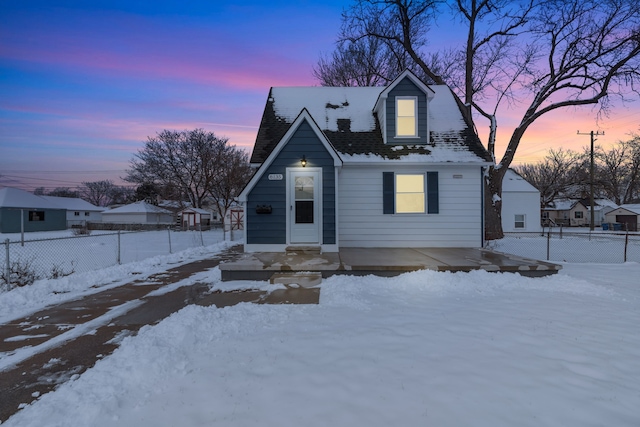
{"x":303,"y":161}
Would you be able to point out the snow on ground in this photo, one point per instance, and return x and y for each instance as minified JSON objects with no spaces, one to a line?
{"x":424,"y":348}
{"x":22,"y":301}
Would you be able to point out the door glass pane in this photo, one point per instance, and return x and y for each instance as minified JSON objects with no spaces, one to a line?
{"x":304,"y":211}
{"x":304,"y":188}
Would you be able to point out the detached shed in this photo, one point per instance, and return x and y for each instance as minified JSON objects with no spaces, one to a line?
{"x":19,"y":208}
{"x":138,"y":213}
{"x":520,"y":204}
{"x":194,"y":218}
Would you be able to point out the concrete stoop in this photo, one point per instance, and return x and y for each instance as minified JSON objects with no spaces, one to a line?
{"x":304,"y":279}
{"x":303,"y":250}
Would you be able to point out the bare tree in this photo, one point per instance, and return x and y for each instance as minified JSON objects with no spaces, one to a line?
{"x":553,"y":176}
{"x":99,"y":193}
{"x":231,"y":179}
{"x":63,"y":192}
{"x":619,"y":170}
{"x":538,"y":55}
{"x":197,"y":163}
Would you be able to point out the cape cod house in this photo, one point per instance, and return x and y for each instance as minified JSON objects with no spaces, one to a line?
{"x":394,"y":166}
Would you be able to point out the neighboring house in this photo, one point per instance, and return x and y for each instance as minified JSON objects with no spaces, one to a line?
{"x":394,"y":166}
{"x":21,"y":210}
{"x":138,"y":213}
{"x":558,"y":212}
{"x":576,"y":213}
{"x":79,"y":211}
{"x":626,"y":215}
{"x":194,"y":218}
{"x":520,"y":204}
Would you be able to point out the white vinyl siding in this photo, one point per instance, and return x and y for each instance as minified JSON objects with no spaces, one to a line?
{"x":516,"y":203}
{"x":362,"y":222}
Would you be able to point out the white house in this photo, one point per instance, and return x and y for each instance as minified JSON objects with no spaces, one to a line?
{"x":394,"y":166}
{"x":79,"y":211}
{"x":138,"y":213}
{"x":520,"y":204}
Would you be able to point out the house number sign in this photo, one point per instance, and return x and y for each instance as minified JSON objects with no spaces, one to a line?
{"x":275,"y":177}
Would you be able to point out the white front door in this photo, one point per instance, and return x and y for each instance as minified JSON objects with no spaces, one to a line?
{"x":304,"y":206}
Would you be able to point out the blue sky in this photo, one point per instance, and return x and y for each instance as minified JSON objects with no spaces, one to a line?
{"x":84,"y":83}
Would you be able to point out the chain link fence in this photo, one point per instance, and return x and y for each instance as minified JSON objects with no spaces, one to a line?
{"x":571,"y":246}
{"x":26,"y":261}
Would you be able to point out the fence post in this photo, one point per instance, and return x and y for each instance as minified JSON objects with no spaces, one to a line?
{"x":7,"y":270}
{"x":626,"y":244}
{"x":118,"y":247}
{"x":201,"y":237}
{"x":549,"y":242}
{"x":169,"y":233}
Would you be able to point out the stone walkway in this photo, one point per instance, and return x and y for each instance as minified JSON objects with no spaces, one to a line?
{"x":95,"y":331}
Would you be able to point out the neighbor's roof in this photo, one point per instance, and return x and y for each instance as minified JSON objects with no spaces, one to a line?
{"x":73,"y":204}
{"x":345,"y":115}
{"x":514,"y":182}
{"x":137,"y":207}
{"x":16,"y":198}
{"x":197,"y":210}
{"x":561,"y":205}
{"x":635,"y":207}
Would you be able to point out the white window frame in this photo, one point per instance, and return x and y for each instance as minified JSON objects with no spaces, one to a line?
{"x":415,"y":116}
{"x":516,"y":222}
{"x":424,"y":193}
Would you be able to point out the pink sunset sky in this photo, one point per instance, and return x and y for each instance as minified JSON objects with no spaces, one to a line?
{"x":85,"y":83}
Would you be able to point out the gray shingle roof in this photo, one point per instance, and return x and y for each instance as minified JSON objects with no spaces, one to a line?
{"x":346,"y":117}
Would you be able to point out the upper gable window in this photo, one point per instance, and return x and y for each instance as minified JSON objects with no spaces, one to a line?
{"x":406,"y":116}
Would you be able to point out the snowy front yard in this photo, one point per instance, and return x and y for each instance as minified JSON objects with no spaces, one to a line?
{"x":420,"y":349}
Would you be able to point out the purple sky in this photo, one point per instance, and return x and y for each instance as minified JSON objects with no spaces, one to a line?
{"x":83,"y":83}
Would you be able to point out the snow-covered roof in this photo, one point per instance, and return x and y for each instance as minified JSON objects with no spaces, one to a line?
{"x":561,"y":205}
{"x":16,"y":198}
{"x":513,"y":182}
{"x":137,"y":207}
{"x":328,"y":104}
{"x":347,"y":118}
{"x":196,"y":210}
{"x":73,"y":204}
{"x":634,"y":207}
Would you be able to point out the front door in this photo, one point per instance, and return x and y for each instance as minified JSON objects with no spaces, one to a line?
{"x":304,"y":206}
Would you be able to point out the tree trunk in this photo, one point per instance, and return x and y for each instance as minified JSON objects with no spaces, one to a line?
{"x":493,"y":204}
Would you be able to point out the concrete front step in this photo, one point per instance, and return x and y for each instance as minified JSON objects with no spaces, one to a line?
{"x":305,"y":279}
{"x":303,"y":250}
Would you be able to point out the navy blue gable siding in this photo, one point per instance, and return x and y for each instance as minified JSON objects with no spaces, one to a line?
{"x":406,"y":87}
{"x":272,"y":228}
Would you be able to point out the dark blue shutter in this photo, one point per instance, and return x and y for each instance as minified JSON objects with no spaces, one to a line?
{"x":388,"y":193}
{"x":433,"y":203}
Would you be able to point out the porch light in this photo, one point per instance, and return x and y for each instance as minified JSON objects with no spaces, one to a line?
{"x":303,"y":161}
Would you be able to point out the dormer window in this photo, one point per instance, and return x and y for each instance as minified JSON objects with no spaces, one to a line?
{"x":406,"y":113}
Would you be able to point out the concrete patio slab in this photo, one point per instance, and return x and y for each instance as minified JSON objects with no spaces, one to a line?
{"x":381,"y":262}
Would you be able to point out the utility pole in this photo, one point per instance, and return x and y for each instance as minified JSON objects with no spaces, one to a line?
{"x":591,"y":201}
